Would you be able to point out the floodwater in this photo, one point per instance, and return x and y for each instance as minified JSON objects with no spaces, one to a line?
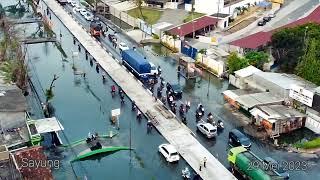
{"x":84,"y":105}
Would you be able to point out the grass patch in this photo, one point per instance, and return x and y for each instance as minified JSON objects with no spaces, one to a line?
{"x":151,"y":16}
{"x":195,"y":16}
{"x":315,"y":143}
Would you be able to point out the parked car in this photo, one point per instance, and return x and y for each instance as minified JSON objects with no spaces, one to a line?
{"x":266,"y":19}
{"x":169,"y":152}
{"x":88,"y":16}
{"x":123,"y":46}
{"x":261,"y":23}
{"x":77,"y":8}
{"x":175,"y":89}
{"x":271,"y":15}
{"x":237,"y":138}
{"x":83,"y":11}
{"x":276,"y":166}
{"x":207,"y":129}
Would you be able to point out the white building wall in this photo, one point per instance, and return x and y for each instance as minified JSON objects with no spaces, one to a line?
{"x":313,"y":121}
{"x":213,"y":6}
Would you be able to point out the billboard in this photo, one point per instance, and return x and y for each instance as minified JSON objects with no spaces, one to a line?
{"x":301,"y":94}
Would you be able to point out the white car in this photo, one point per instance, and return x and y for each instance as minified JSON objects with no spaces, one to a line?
{"x":83,"y":11}
{"x":207,"y":129}
{"x":123,"y":46}
{"x":154,"y":69}
{"x":169,"y":152}
{"x":88,"y":16}
{"x":76,"y":8}
{"x":72,"y":2}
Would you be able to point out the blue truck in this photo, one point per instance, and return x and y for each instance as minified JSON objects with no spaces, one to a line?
{"x":138,"y":64}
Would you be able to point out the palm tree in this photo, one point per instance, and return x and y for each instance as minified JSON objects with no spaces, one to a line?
{"x":203,"y":52}
{"x":174,"y":37}
{"x":139,"y":4}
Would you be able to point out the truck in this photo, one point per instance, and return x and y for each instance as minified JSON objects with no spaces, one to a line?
{"x":138,"y":64}
{"x":250,"y":166}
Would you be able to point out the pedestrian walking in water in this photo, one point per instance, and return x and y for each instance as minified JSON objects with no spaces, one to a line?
{"x":204,"y":162}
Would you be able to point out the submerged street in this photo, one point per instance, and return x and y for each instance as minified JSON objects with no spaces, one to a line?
{"x":84,"y":104}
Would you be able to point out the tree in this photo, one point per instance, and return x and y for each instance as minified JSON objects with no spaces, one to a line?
{"x":139,"y":3}
{"x":49,"y":92}
{"x":257,"y":59}
{"x":309,"y":66}
{"x":203,"y":52}
{"x":234,"y":62}
{"x":289,"y":44}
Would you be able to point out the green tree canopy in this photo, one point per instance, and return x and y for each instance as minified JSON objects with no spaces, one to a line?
{"x":309,"y":66}
{"x":234,"y":62}
{"x":256,"y":58}
{"x":289,"y":44}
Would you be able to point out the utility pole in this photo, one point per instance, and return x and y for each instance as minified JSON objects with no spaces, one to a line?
{"x":208,"y":85}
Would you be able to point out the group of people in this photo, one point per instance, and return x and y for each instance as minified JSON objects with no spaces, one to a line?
{"x":92,"y":137}
{"x":121,"y":93}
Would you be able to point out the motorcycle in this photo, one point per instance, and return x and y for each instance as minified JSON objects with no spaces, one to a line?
{"x":186,"y":173}
{"x":198,"y":114}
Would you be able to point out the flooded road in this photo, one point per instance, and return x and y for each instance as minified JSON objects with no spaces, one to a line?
{"x":84,"y":104}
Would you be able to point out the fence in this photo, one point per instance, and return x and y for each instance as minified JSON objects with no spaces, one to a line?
{"x":134,"y":22}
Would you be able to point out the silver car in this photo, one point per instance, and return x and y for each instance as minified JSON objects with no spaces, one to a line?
{"x":207,"y":129}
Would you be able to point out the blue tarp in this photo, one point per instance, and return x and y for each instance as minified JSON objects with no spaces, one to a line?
{"x":264,"y":4}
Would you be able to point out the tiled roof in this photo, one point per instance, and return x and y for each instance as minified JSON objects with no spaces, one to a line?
{"x":26,"y":157}
{"x":262,"y":38}
{"x":195,"y":25}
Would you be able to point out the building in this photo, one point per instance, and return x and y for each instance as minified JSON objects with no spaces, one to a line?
{"x":220,"y":6}
{"x":166,"y":4}
{"x":13,"y":107}
{"x":239,"y":78}
{"x":245,"y":100}
{"x":33,"y":164}
{"x":8,"y":167}
{"x":214,"y":60}
{"x":278,"y":119}
{"x":295,"y":91}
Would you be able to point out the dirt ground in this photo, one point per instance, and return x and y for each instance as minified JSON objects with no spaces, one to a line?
{"x":241,"y":25}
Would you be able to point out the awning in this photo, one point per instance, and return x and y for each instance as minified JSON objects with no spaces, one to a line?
{"x":48,"y":125}
{"x":192,"y":26}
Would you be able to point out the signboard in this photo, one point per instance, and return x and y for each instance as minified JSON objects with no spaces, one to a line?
{"x":301,"y":94}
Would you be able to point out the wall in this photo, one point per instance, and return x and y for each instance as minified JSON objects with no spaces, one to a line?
{"x":217,"y":66}
{"x":213,"y":6}
{"x":171,"y":42}
{"x":125,"y":17}
{"x":170,"y":5}
{"x":313,"y":120}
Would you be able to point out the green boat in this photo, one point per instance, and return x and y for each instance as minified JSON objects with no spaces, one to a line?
{"x":88,"y":153}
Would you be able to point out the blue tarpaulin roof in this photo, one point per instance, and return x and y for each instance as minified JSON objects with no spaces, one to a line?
{"x":264,"y":4}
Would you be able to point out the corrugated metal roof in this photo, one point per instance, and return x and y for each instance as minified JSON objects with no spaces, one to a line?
{"x":261,"y":38}
{"x":247,"y":71}
{"x":195,"y":25}
{"x":252,"y":100}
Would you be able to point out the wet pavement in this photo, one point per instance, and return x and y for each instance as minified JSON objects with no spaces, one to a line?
{"x":84,"y":105}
